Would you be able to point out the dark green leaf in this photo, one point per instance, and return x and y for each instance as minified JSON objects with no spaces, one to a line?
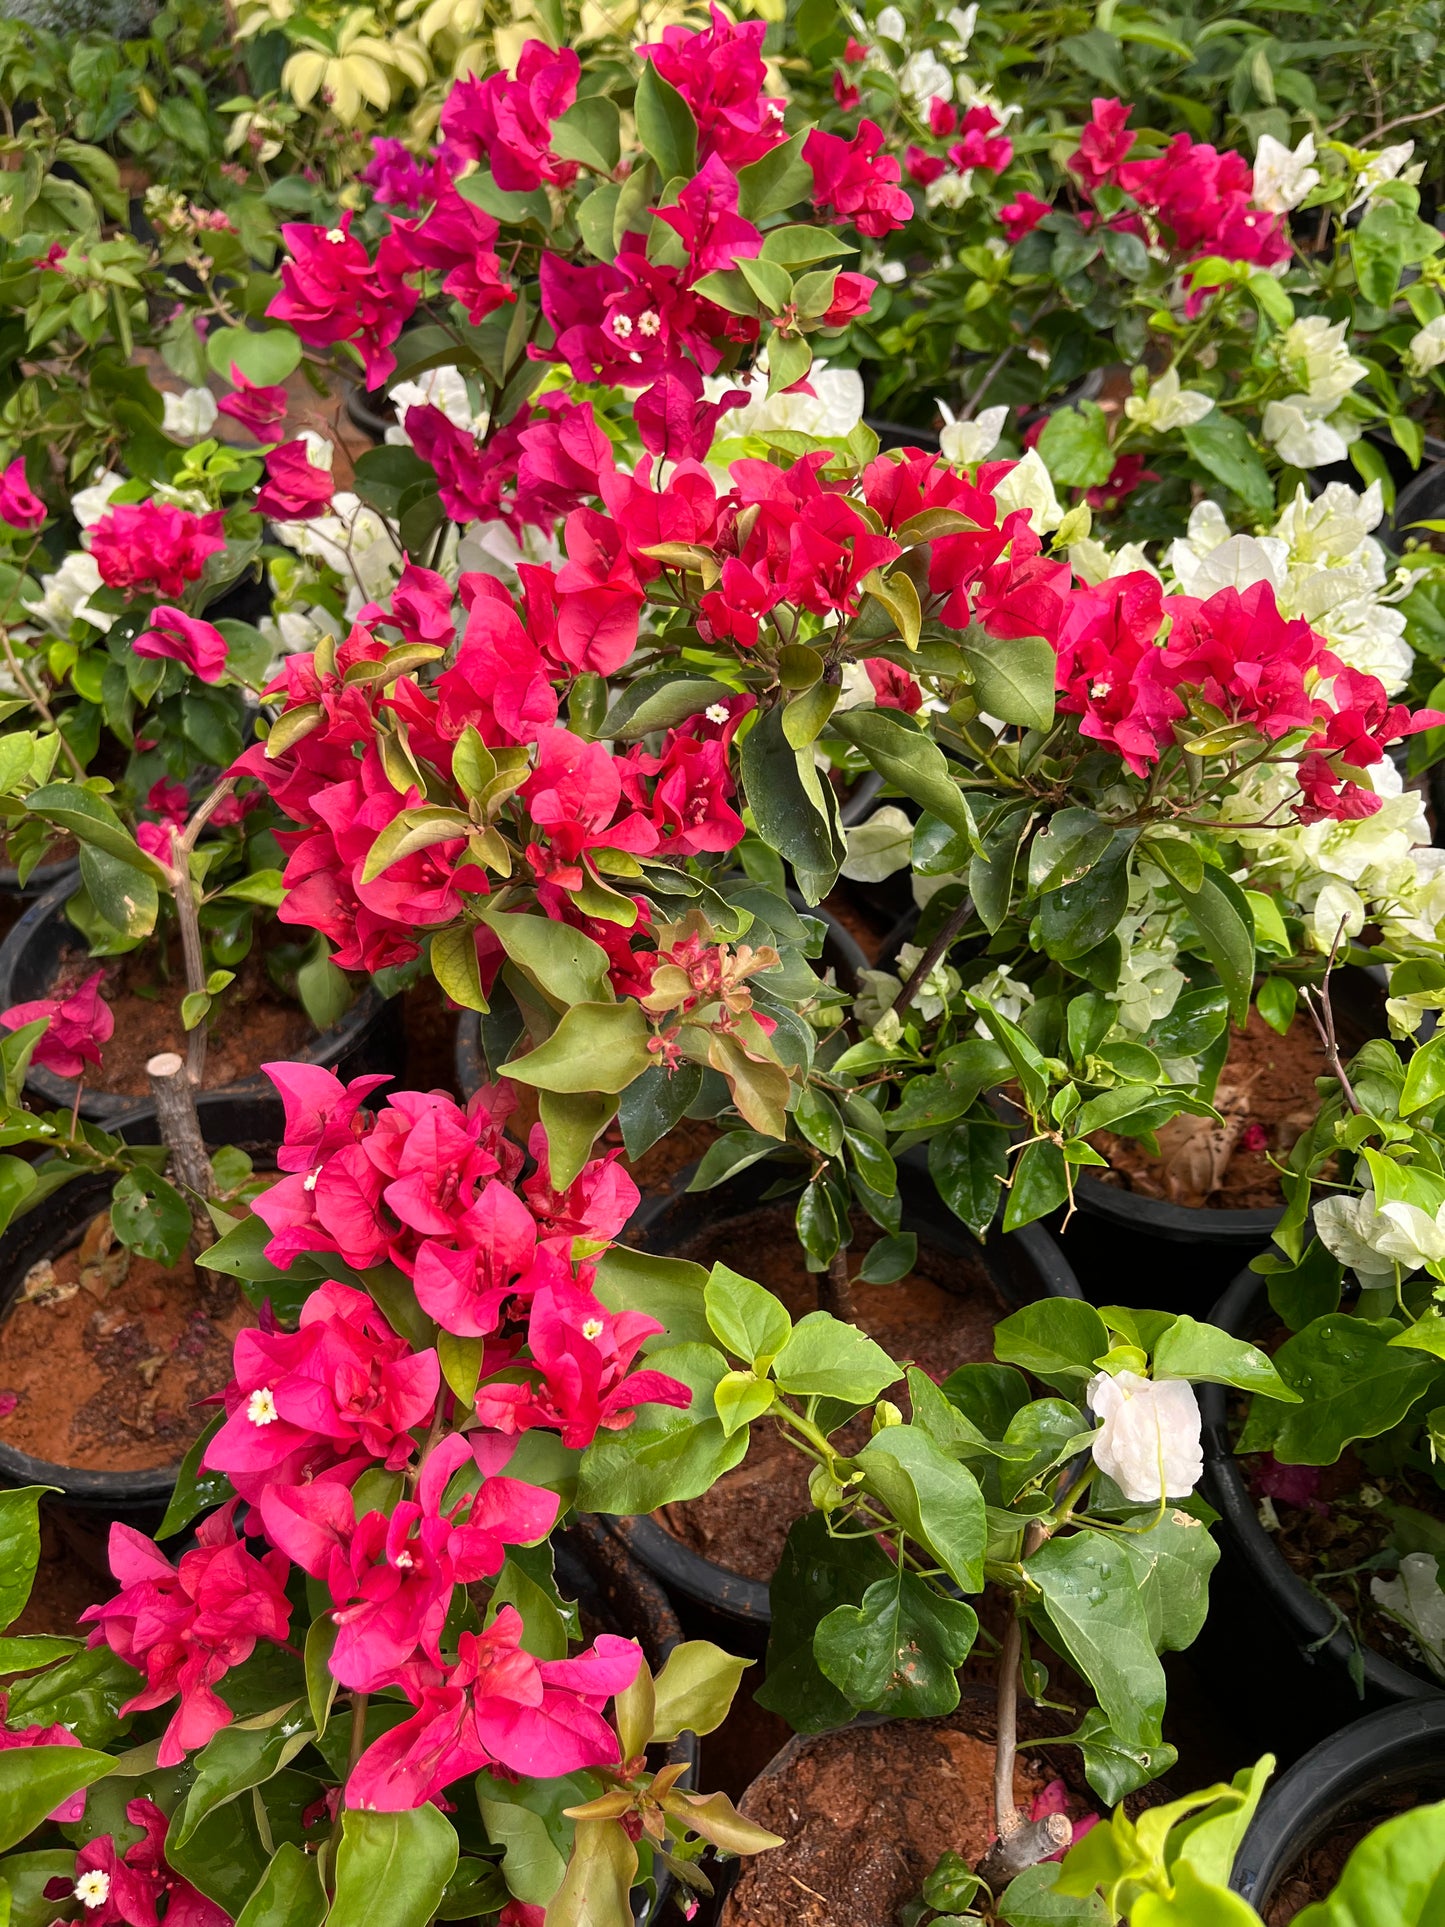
{"x":897,"y":1652}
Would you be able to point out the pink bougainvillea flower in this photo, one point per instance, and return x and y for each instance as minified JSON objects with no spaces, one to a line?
{"x":399,"y":179}
{"x":1104,"y":143}
{"x":255,"y":405}
{"x":674,"y":420}
{"x":78,"y":1025}
{"x":331,"y":290}
{"x":170,"y":801}
{"x":721,"y":74}
{"x":856,"y":181}
{"x":582,"y":1353}
{"x":391,"y":1579}
{"x":893,"y":688}
{"x":69,"y":1810}
{"x":340,"y":1386}
{"x":421,"y":607}
{"x":173,"y":635}
{"x":125,"y":1890}
{"x":185,"y":1626}
{"x":1021,"y":216}
{"x":982,"y":144}
{"x":573,"y":796}
{"x":594,"y":1207}
{"x":498,"y":1706}
{"x":154,"y":546}
{"x":295,"y":489}
{"x":457,"y":239}
{"x":1055,"y":1799}
{"x":20,"y":506}
{"x":506,"y":123}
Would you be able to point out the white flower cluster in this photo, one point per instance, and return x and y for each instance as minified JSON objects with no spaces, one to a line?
{"x":444,"y":388}
{"x":835,"y":406}
{"x":1149,"y":1437}
{"x":1166,"y":405}
{"x":1373,"y":1239}
{"x":1323,"y":564}
{"x":1309,"y":428}
{"x":964,"y":443}
{"x":1415,"y":1599}
{"x":1283,"y":177}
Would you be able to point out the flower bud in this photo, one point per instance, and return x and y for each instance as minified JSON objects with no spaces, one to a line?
{"x":885,"y":1413}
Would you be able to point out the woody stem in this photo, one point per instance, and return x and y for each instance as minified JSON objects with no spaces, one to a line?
{"x":358,"y":1731}
{"x":938,"y":949}
{"x":835,"y":1293}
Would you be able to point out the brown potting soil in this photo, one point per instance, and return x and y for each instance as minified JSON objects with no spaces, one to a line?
{"x":865,"y":1815}
{"x":72,"y":1575}
{"x":684,"y":1144}
{"x":940,"y":1317}
{"x":1267,"y":1081}
{"x":867,"y":930}
{"x":251,"y":1023}
{"x":1316,"y":1873}
{"x":106,"y":1360}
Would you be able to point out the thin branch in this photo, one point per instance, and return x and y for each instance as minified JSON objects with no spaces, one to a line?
{"x":939,"y":948}
{"x":1323,"y":1020}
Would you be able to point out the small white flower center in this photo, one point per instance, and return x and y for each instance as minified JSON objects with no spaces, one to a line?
{"x":716,"y":712}
{"x":1098,"y":689}
{"x":649,"y":322}
{"x":334,"y":234}
{"x":308,"y":1183}
{"x":622,"y":326}
{"x":93,"y":1888}
{"x":592,"y":1329}
{"x":403,"y":1561}
{"x":261,"y":1406}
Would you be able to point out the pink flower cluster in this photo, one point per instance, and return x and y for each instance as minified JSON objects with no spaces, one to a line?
{"x":982,"y":144}
{"x":76,"y":1028}
{"x":20,"y":507}
{"x":154,"y":546}
{"x":580,"y":798}
{"x":137,"y":1887}
{"x":1200,"y":196}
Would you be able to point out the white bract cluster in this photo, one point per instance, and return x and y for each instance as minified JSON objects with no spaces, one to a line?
{"x":963,"y":443}
{"x":1309,"y":428}
{"x":1283,"y":176}
{"x":1414,"y":1599}
{"x":1379,"y":1241}
{"x":444,"y":388}
{"x":1165,"y":405}
{"x":835,"y":406}
{"x":1324,"y":566}
{"x":1148,"y":1441}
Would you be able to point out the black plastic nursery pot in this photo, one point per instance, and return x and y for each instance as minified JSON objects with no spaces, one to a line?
{"x":1420,"y":500}
{"x":1291,"y":1657}
{"x":368,"y":1037}
{"x":842,"y":954}
{"x":42,"y":879}
{"x":1023,"y":1265}
{"x":1378,"y":1766}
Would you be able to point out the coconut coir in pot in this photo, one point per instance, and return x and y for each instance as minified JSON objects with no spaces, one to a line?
{"x":105,"y":1373}
{"x":251,"y":1022}
{"x":1316,"y":1873}
{"x":1266,"y":1095}
{"x":865,"y":1815}
{"x":940,"y":1317}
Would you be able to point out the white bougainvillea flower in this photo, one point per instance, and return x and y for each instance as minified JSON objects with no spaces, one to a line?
{"x":1166,"y":405}
{"x":1344,"y":1225}
{"x":1283,"y":176}
{"x":1427,"y":348}
{"x":1148,"y":1440}
{"x":190,"y":415}
{"x":1306,"y":434}
{"x":1028,"y":485}
{"x":964,"y":443}
{"x":1389,"y":164}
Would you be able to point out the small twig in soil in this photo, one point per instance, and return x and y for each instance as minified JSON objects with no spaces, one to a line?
{"x":938,"y":949}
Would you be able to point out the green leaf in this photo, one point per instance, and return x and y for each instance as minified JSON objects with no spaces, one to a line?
{"x":150,"y":1216}
{"x":1115,"y":1768}
{"x":1207,"y":1355}
{"x":1425,"y":1077}
{"x":320,"y":1680}
{"x":590,"y":131}
{"x":196,"y":1490}
{"x":1040,"y":1185}
{"x":1029,"y":1900}
{"x":236,"y":1759}
{"x":91,"y":820}
{"x":27,"y":1652}
{"x":655,"y":1103}
{"x":1094,"y":1607}
{"x":889,"y":1259}
{"x":815,"y":1574}
{"x":596,"y":1889}
{"x":1353,"y":1384}
{"x":453,"y":954}
{"x":667,"y":1289}
{"x":23,"y":1880}
{"x":1221,"y":915}
{"x":740,"y":1398}
{"x":968,"y":1163}
{"x":1202,"y":1903}
{"x":1057,"y":1339}
{"x":265,"y":356}
{"x":910,"y":760}
{"x":749,"y":1321}
{"x":1076,"y":917}
{"x":665,"y":125}
{"x":898,"y":1651}
{"x":125,"y":897}
{"x":1067,"y":847}
{"x":694,"y":1691}
{"x":1223,"y":449}
{"x":666,"y":1455}
{"x":824,"y":1358}
{"x":595,"y":1047}
{"x":661,"y":701}
{"x":84,"y":1693}
{"x":291,"y":1895}
{"x":776,"y":181}
{"x":1181,"y":1554}
{"x":1013,"y":678}
{"x":1074,"y":447}
{"x":461,"y":1363}
{"x":392,"y":1868}
{"x":34,"y":1780}
{"x":934,"y":1499}
{"x":19,"y":1547}
{"x":991,"y":868}
{"x":323,"y":989}
{"x":794,"y":812}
